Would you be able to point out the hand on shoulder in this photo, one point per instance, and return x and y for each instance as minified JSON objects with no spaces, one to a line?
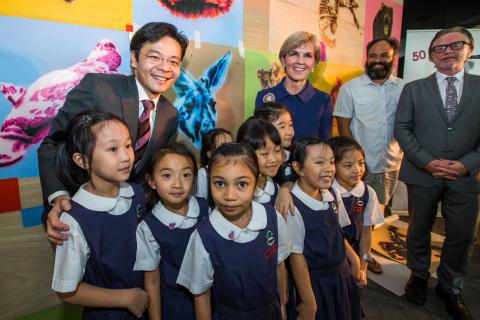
{"x":56,"y":229}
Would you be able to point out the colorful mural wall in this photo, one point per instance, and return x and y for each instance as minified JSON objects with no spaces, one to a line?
{"x":47,"y":47}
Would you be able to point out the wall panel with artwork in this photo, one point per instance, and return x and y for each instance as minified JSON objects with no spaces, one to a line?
{"x":47,"y":48}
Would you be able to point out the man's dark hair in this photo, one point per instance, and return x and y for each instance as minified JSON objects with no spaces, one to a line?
{"x":451,"y":30}
{"x":154,"y":31}
{"x":394,"y":43}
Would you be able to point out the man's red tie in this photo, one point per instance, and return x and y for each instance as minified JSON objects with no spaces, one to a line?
{"x":143,"y":130}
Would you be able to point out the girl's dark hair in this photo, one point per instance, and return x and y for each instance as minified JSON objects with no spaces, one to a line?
{"x":154,"y":31}
{"x":177,"y":148}
{"x":271,"y":111}
{"x":79,"y":137}
{"x":231,"y":152}
{"x":342,"y":145}
{"x":255,"y":132}
{"x":209,"y":141}
{"x":299,"y":153}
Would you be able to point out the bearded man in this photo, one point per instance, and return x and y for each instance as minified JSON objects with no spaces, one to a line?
{"x":365,"y":110}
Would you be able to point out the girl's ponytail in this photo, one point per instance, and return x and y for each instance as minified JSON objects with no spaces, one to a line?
{"x":69,"y":173}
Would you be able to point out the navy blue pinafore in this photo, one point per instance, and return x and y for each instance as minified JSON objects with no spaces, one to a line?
{"x":112,"y":243}
{"x":176,"y":301}
{"x":335,"y":290}
{"x":245,"y":274}
{"x":355,"y":207}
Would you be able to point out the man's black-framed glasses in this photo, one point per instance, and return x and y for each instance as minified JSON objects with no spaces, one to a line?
{"x":457,"y":45}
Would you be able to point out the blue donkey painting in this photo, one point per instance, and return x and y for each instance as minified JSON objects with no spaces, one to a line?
{"x":196,"y":103}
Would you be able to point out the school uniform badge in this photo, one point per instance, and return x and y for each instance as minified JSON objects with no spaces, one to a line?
{"x":271,"y":243}
{"x":270,"y":238}
{"x":360,"y":202}
{"x":334,"y":207}
{"x":358,"y":206}
{"x":269,"y":97}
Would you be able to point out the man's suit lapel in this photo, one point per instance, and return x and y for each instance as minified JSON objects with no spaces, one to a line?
{"x":434,"y":92}
{"x":468,"y":86}
{"x":130,"y":106}
{"x":158,"y":122}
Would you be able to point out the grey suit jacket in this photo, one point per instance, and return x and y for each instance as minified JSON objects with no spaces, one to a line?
{"x":116,"y":94}
{"x":424,"y":133}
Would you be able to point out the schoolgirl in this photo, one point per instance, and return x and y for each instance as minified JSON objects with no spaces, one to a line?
{"x":234,"y":260}
{"x":163,"y":235}
{"x":324,"y":286}
{"x":277,"y":114}
{"x":264,"y":138}
{"x":210,"y":142}
{"x":94,"y":268}
{"x":358,"y":203}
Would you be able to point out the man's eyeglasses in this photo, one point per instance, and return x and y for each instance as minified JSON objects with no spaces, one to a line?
{"x":458,"y":45}
{"x":157,"y":59}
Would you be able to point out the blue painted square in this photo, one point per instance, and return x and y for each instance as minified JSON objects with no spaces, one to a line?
{"x":32,"y":217}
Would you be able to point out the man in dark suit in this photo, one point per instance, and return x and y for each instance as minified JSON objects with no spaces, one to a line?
{"x":156,"y":53}
{"x":438,"y":127}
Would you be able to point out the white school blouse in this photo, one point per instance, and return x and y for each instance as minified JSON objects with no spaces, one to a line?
{"x":71,"y":257}
{"x":148,"y":250}
{"x":196,"y":272}
{"x":295,"y":224}
{"x":264,"y":195}
{"x":371,"y":216}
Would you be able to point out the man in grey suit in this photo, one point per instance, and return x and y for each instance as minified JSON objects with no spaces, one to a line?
{"x":156,"y":53}
{"x":438,"y":127}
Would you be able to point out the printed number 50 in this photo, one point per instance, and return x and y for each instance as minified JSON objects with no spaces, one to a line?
{"x":419,"y":55}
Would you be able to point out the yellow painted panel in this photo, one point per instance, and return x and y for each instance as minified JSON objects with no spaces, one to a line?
{"x":111,"y":14}
{"x":329,"y":76}
{"x":326,"y":75}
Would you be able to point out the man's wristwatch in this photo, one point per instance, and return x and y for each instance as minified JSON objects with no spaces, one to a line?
{"x":366,"y":257}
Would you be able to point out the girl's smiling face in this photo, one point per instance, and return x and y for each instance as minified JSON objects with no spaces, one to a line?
{"x":284,"y":125}
{"x":350,"y":170}
{"x":270,"y":158}
{"x":318,"y":169}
